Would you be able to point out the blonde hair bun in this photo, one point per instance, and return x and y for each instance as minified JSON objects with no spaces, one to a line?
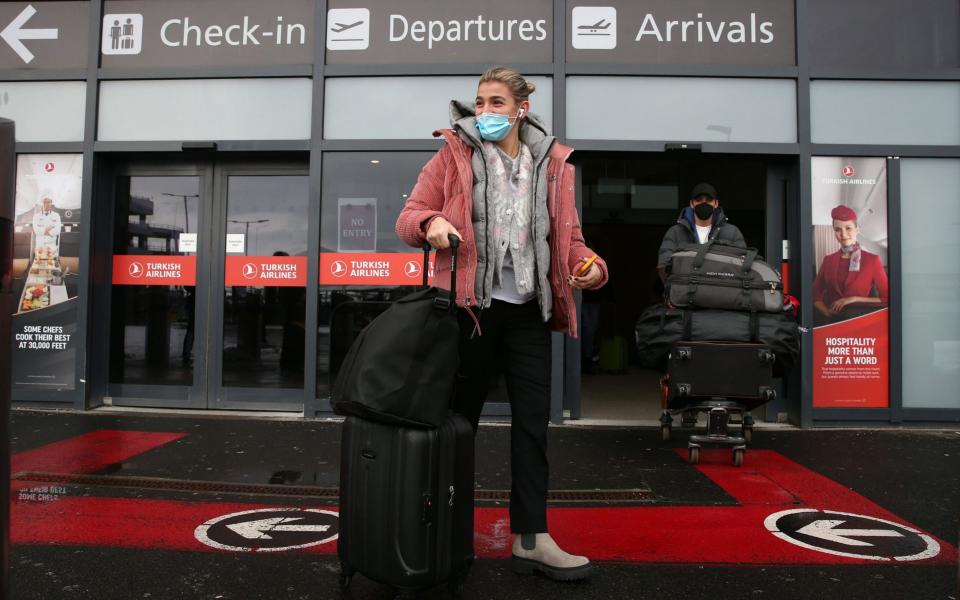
{"x":515,"y":82}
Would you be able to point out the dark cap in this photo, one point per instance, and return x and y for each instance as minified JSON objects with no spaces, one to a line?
{"x":703,"y":189}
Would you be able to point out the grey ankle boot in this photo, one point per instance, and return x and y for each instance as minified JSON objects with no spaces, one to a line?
{"x":538,"y":553}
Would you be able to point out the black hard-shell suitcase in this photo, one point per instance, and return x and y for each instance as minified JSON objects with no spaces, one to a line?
{"x":736,"y":371}
{"x":406,"y":503}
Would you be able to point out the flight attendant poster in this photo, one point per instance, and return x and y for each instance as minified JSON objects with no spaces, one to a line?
{"x":46,"y":271}
{"x":850,"y":285}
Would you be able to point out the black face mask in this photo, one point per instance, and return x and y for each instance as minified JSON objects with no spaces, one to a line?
{"x":703,"y":211}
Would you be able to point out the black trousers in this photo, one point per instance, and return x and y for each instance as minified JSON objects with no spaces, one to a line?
{"x":516,"y":335}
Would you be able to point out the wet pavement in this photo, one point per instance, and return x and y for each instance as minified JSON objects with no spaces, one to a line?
{"x":111,"y":505}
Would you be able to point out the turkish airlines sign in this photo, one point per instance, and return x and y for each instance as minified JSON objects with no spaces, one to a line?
{"x":217,"y":33}
{"x":270,"y":271}
{"x":732,"y":32}
{"x":373,"y":268}
{"x":136,"y":269}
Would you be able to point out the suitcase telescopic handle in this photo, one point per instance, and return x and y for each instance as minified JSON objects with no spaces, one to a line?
{"x":454,"y":247}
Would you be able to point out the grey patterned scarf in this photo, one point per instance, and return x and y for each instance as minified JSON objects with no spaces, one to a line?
{"x":511,"y":201}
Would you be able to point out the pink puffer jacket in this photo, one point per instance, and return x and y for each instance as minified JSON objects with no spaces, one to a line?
{"x":445,"y":188}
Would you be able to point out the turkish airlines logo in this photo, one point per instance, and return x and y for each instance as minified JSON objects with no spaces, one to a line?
{"x":49,"y":167}
{"x":412,"y":269}
{"x":848,"y":171}
{"x":135,"y":270}
{"x":338,"y":268}
{"x":250,"y":271}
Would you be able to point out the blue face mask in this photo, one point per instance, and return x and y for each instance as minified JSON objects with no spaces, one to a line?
{"x":494,"y":126}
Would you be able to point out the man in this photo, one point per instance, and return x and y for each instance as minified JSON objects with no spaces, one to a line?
{"x":700,"y":222}
{"x":46,"y":223}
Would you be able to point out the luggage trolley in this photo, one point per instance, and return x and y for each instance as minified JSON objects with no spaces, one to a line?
{"x":722,"y":379}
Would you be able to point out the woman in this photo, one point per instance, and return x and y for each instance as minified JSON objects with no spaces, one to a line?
{"x":502,"y":185}
{"x":844,"y":287}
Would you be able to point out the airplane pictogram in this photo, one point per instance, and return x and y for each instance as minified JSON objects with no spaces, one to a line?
{"x":341,"y":27}
{"x":601,"y":24}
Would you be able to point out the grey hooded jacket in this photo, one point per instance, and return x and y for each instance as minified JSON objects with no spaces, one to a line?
{"x":684,"y":232}
{"x":533,"y":133}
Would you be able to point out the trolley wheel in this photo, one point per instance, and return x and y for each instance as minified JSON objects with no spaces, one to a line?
{"x":665,"y":432}
{"x":738,"y":457}
{"x":747,"y":434}
{"x":455,"y":587}
{"x":345,"y":577}
{"x":693,"y":454}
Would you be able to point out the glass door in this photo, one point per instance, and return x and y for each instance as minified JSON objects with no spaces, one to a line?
{"x":160,"y":240}
{"x":208,"y":290}
{"x":261,"y":305}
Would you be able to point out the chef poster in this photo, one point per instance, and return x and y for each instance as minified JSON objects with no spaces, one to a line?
{"x":850,"y":286}
{"x":46,"y":270}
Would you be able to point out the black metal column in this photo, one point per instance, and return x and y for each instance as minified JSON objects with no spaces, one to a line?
{"x":8,"y":160}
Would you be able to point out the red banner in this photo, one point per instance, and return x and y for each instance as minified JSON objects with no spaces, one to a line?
{"x":374,"y":268}
{"x":150,"y":269}
{"x":271,"y":271}
{"x":850,"y":363}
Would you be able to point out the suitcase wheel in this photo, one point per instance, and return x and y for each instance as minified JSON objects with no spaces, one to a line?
{"x":665,"y":432}
{"x":747,"y":433}
{"x":693,"y":454}
{"x":738,"y":457}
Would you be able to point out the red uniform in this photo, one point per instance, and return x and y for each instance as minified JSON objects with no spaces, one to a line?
{"x":835,"y":280}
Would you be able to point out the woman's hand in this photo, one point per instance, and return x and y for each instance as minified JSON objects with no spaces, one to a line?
{"x":838,"y":306}
{"x":589,"y":279}
{"x":438,"y":232}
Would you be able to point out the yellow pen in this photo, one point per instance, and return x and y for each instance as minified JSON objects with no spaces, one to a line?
{"x":586,"y":266}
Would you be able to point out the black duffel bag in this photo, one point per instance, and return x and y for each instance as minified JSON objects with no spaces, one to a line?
{"x":659,"y":328}
{"x":714,"y":275}
{"x":401,"y":368}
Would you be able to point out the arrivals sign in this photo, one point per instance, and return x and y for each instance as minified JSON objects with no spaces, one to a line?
{"x":439,"y":31}
{"x":372,"y":268}
{"x":850,"y":286}
{"x":43,"y":35}
{"x":704,"y":32}
{"x":174,"y":33}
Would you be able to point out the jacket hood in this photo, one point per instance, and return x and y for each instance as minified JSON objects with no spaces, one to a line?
{"x":533,"y":131}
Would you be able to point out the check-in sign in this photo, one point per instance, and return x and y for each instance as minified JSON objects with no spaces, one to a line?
{"x":215,"y":33}
{"x":43,"y":35}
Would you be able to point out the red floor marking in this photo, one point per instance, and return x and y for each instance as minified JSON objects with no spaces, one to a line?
{"x":767,"y":483}
{"x":89,"y":452}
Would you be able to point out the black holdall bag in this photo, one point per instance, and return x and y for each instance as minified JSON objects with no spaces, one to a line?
{"x":660,"y":327}
{"x":713,"y":275}
{"x":401,"y":368}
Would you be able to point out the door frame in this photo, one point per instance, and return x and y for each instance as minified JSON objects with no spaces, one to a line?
{"x":206,"y":392}
{"x":242,"y":398}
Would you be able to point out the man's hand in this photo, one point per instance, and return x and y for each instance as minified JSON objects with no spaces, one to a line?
{"x":438,"y":231}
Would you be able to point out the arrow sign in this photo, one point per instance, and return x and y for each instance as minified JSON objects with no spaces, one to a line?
{"x":826,"y":529}
{"x":13,"y":33}
{"x":258,"y":530}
